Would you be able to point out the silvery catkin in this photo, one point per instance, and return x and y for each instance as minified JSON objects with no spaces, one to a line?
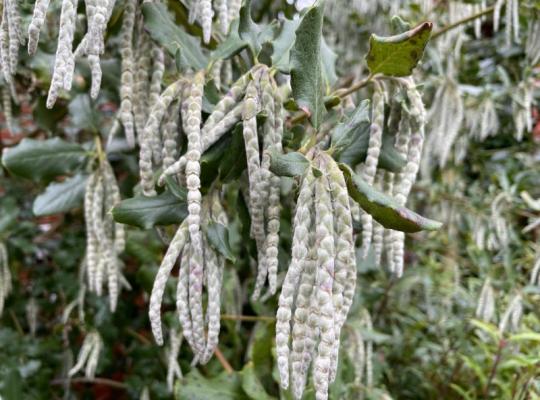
{"x":128,"y":70}
{"x":192,"y":127}
{"x":173,"y":368}
{"x":151,"y":129}
{"x":345,"y":261}
{"x":226,"y":114}
{"x":4,"y":48}
{"x":485,"y":309}
{"x":38,"y":18}
{"x":300,"y":249}
{"x":169,"y":260}
{"x":378,"y":229}
{"x":372,"y":159}
{"x":256,"y":210}
{"x":417,"y":117}
{"x":141,"y":78}
{"x":182,"y":298}
{"x":91,"y":257}
{"x":7,"y":109}
{"x":302,"y":342}
{"x":171,"y":135}
{"x":213,"y":271}
{"x":222,"y":10}
{"x":63,"y":50}
{"x":89,"y":355}
{"x":5,"y":276}
{"x":326,"y":254}
{"x":206,"y":15}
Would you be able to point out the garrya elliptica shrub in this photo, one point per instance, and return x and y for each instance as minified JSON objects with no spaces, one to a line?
{"x":268,"y":147}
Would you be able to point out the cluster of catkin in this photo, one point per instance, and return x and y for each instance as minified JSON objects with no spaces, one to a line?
{"x":203,"y":12}
{"x":11,"y":37}
{"x":485,"y":309}
{"x":406,"y":121}
{"x":98,"y":13}
{"x":5,"y":276}
{"x":105,"y":239}
{"x":253,"y":94}
{"x":142,"y":69}
{"x":200,"y":266}
{"x":319,"y":286}
{"x":88,"y":355}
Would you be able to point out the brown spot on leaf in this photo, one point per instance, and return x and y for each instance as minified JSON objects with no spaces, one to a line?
{"x":414,"y":54}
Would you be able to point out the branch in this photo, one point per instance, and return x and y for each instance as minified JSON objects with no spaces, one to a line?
{"x":470,"y":18}
{"x":223,"y":361}
{"x":341,"y":93}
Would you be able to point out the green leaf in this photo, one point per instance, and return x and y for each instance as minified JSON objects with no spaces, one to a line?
{"x":306,"y":74}
{"x":383,"y":208}
{"x":60,"y":197}
{"x":398,"y":55}
{"x":283,"y":44}
{"x":218,"y":237}
{"x":179,"y":191}
{"x":254,"y":35}
{"x":164,"y":30}
{"x":350,"y":140}
{"x":291,"y":164}
{"x":43,"y":159}
{"x":345,"y":134}
{"x":83,"y":114}
{"x":252,"y":385}
{"x":147,"y":212}
{"x":194,"y":386}
{"x":328,"y":58}
{"x":232,"y":44}
{"x":233,"y":161}
{"x":490,"y":329}
{"x":525,"y":336}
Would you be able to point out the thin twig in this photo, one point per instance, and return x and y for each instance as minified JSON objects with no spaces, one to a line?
{"x":470,"y":18}
{"x":98,"y":381}
{"x":344,"y":92}
{"x":247,"y":318}
{"x":16,"y":322}
{"x":138,"y":336}
{"x":223,"y":361}
{"x":496,"y":362}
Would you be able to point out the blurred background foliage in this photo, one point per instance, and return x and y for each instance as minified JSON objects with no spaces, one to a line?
{"x":426,"y":341}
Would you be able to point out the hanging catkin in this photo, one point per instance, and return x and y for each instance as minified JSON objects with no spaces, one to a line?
{"x":299,"y":253}
{"x":372,"y":159}
{"x":5,"y":276}
{"x":128,"y":71}
{"x":403,"y":187}
{"x":38,"y":18}
{"x":63,"y":51}
{"x":105,"y":239}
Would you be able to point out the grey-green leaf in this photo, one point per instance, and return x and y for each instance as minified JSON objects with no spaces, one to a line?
{"x":291,"y":164}
{"x":283,"y":44}
{"x":161,"y":26}
{"x":306,"y":75}
{"x":350,"y":141}
{"x":252,"y":384}
{"x":147,"y":212}
{"x":43,"y":159}
{"x":195,"y":386}
{"x":232,"y":44}
{"x":218,"y":237}
{"x":61,"y":197}
{"x":383,"y":208}
{"x":398,"y":55}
